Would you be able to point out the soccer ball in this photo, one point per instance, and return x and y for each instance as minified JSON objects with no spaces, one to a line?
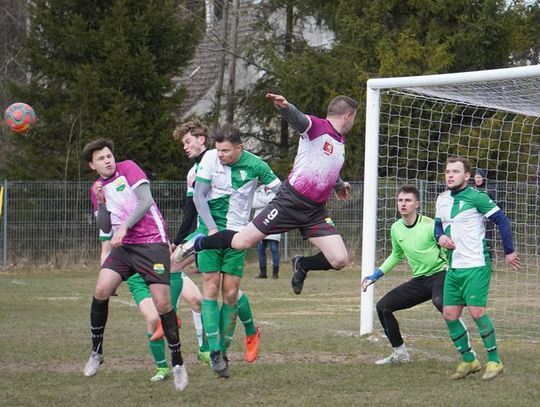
{"x":20,"y":117}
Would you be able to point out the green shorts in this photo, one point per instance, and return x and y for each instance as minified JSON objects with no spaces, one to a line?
{"x":228,"y":261}
{"x":467,"y":286}
{"x":138,"y":288}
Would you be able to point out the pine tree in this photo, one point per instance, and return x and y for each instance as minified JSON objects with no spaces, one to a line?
{"x":102,"y":68}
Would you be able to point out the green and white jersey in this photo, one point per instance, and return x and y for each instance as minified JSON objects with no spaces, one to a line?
{"x":463,"y":216}
{"x":190,"y":178}
{"x":417,"y":244}
{"x":233,"y":186}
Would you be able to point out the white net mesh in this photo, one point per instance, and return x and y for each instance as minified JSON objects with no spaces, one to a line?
{"x":496,"y":125}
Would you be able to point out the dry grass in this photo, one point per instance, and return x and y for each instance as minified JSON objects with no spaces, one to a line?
{"x":311,"y":352}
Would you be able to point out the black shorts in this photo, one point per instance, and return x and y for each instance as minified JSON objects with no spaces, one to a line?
{"x":152,"y":261}
{"x":290,"y":210}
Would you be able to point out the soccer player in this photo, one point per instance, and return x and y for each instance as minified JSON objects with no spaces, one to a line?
{"x":460,"y":228}
{"x":300,"y":202}
{"x":225,"y":184}
{"x":194,"y":137}
{"x":413,"y":239}
{"x":139,"y":244}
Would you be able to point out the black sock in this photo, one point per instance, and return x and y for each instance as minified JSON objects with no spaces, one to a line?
{"x":98,"y":318}
{"x":316,"y":262}
{"x":170,"y":330}
{"x":219,"y":240}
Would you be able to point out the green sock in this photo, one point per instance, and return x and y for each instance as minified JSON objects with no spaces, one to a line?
{"x":210,"y":316}
{"x":460,"y":337}
{"x":227,"y":324}
{"x":245,"y":315}
{"x":487,"y":332}
{"x":204,"y":347}
{"x":157,"y":349}
{"x":177,"y":282}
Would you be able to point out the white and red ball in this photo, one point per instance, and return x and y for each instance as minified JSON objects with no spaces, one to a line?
{"x":20,"y":117}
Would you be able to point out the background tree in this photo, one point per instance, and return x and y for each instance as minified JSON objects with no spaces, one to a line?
{"x":379,"y":38}
{"x":102,"y":69}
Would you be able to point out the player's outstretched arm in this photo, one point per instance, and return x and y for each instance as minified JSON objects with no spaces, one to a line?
{"x":296,"y":119}
{"x":371,"y":279}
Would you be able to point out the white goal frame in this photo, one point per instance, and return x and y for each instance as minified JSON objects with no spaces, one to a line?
{"x":369,"y":224}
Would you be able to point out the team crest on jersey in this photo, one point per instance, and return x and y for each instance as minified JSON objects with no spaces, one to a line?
{"x":159,"y":268}
{"x":328,"y":148}
{"x":243,"y":175}
{"x":461,"y":203}
{"x":119,"y":185}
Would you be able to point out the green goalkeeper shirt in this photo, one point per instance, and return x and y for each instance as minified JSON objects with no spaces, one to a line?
{"x":416,"y":243}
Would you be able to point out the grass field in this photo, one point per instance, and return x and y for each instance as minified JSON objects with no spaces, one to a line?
{"x":311,"y":353}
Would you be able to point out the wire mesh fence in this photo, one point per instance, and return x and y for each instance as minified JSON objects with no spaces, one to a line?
{"x":51,"y":222}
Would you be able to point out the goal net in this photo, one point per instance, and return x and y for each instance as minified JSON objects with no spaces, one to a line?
{"x":413,"y":125}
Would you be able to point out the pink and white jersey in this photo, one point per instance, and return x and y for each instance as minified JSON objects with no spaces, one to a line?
{"x":321,"y":154}
{"x":121,"y":201}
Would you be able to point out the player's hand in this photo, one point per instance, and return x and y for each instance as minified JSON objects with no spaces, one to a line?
{"x":343,"y":193}
{"x":513,"y":260}
{"x":278,"y":100}
{"x":118,"y":236}
{"x":172,"y":247}
{"x":446,"y":242}
{"x":368,"y":280}
{"x":98,"y":191}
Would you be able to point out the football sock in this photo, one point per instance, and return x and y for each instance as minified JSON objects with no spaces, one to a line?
{"x":99,"y":311}
{"x":315,"y":262}
{"x":197,"y":322}
{"x":210,"y":316}
{"x":177,"y":282}
{"x":170,"y":330}
{"x":487,"y":332}
{"x":245,"y":315}
{"x":157,"y":349}
{"x":460,"y":337}
{"x":220,"y":240}
{"x":227,"y":324}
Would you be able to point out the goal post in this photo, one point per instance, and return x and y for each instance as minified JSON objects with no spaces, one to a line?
{"x":413,"y":124}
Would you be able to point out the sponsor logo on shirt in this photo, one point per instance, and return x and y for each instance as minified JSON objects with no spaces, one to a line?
{"x":328,"y":148}
{"x":119,"y":185}
{"x":159,"y":268}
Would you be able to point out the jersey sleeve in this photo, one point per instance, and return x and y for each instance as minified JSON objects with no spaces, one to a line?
{"x":93,"y":198}
{"x":204,"y":170}
{"x":266,"y":175}
{"x":397,"y":252}
{"x":134,"y":174}
{"x":485,"y":205}
{"x":104,"y":235}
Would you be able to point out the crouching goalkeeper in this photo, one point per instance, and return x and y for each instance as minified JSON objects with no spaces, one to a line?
{"x":412,"y":238}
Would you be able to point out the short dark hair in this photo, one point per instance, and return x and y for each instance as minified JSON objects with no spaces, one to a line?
{"x":195,"y":127}
{"x":227,"y":132}
{"x":96,"y":145}
{"x":341,"y":105}
{"x":410,"y":189}
{"x":458,"y":159}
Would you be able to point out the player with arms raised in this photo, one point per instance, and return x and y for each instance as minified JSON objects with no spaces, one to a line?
{"x":300,"y":202}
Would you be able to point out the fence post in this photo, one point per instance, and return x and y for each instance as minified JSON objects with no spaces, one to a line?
{"x":4,"y":211}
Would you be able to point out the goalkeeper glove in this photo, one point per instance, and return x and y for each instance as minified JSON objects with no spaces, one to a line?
{"x":368,"y":280}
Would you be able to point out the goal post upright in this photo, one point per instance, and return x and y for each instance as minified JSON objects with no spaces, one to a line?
{"x":371,"y":158}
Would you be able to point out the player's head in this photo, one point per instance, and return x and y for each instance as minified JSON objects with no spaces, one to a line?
{"x":408,"y":200}
{"x":344,"y":109}
{"x":479,"y":177}
{"x":228,"y":144}
{"x":193,"y":135}
{"x":457,"y":173}
{"x":99,"y":156}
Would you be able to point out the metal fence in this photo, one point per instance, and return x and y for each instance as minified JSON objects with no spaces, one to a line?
{"x":51,"y":222}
